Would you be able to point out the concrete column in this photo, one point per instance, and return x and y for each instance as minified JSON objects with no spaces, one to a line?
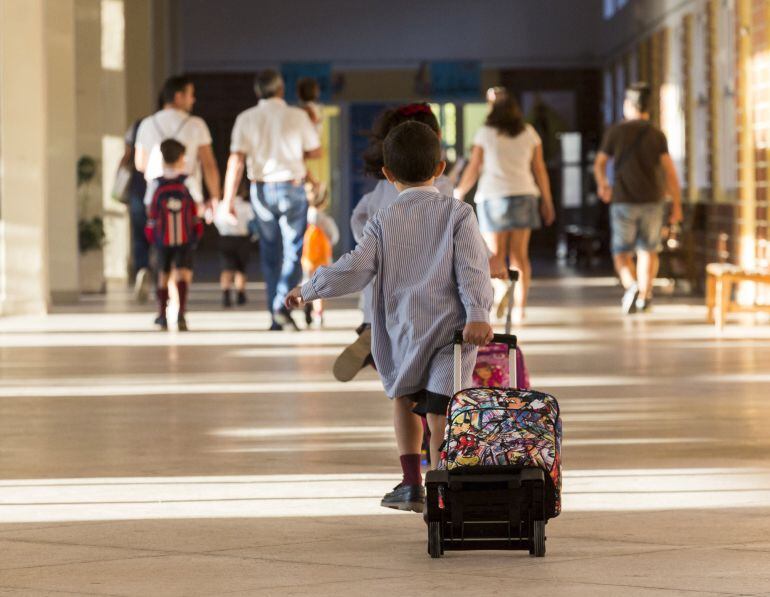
{"x":38,"y":230}
{"x":61,"y":179}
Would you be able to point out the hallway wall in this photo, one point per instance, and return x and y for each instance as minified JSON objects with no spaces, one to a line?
{"x":354,"y":33}
{"x":706,"y":61}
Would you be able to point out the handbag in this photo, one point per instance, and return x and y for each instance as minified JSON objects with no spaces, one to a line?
{"x":121,"y":184}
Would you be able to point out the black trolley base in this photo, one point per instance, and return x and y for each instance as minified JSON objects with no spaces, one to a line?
{"x":486,"y":508}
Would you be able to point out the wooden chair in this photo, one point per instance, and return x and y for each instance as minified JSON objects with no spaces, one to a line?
{"x":721,"y":278}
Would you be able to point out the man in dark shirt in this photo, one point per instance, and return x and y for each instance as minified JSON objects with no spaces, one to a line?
{"x":644,"y":176}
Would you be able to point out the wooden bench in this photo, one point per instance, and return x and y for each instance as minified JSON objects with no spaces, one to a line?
{"x":721,"y":278}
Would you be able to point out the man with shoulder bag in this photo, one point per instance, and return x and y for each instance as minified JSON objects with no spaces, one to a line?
{"x":644,"y":176}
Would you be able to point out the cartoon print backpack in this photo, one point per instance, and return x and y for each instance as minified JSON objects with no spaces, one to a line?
{"x":317,"y":250}
{"x":502,"y":427}
{"x":173,"y":214}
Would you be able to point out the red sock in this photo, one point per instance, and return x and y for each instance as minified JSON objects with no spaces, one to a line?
{"x":410,"y":464}
{"x":182,"y":288}
{"x":162,"y":301}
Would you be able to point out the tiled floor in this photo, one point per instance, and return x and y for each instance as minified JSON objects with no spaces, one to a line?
{"x":227,"y":461}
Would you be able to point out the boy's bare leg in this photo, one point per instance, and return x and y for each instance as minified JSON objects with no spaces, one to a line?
{"x":407,"y":426}
{"x":437,"y":426}
{"x":162,"y":294}
{"x":519,"y":258}
{"x":624,"y":266}
{"x":240,"y":281}
{"x":409,"y":494}
{"x":226,"y":279}
{"x":183,"y":278}
{"x":647,"y":264}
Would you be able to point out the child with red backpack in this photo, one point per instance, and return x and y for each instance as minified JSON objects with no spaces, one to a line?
{"x":173,"y":227}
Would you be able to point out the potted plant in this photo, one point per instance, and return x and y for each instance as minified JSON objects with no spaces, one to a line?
{"x":90,"y":229}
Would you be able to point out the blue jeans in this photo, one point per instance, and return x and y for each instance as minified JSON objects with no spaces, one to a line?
{"x":140,"y":248}
{"x":636,"y":226}
{"x":281,"y":209}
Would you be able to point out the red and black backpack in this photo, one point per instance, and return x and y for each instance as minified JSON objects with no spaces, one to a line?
{"x":174,"y":214}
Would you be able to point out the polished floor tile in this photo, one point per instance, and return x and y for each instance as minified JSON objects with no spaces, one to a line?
{"x":227,"y":460}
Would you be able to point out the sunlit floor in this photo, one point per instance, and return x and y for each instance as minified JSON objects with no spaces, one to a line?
{"x":227,"y":460}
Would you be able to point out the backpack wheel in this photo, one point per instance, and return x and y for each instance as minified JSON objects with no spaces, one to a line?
{"x":435,"y":547}
{"x":537,"y":546}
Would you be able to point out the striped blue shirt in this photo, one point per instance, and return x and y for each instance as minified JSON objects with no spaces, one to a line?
{"x":432,"y":276}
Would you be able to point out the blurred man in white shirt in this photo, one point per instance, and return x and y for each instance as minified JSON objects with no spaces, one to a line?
{"x":273,"y":140}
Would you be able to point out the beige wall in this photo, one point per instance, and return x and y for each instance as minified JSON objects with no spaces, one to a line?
{"x":38,"y":234}
{"x":61,"y":187}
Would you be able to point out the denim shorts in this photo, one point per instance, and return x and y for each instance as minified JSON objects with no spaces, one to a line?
{"x":508,"y":213}
{"x":636,"y":226}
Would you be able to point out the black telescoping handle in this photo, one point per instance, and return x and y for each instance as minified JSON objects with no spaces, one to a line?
{"x":507,"y":339}
{"x":513,"y":275}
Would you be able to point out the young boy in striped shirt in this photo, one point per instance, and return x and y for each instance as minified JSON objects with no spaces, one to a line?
{"x":431,"y":277}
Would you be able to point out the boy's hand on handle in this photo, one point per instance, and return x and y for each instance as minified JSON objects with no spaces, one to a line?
{"x":294,"y":298}
{"x":497,"y":268}
{"x":478,"y":333}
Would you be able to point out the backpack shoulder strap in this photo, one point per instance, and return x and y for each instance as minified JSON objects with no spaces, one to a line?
{"x":630,"y":149}
{"x":157,"y":126}
{"x":181,"y":126}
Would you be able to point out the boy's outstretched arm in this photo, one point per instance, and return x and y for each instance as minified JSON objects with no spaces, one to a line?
{"x":472,"y":271}
{"x":350,"y":274}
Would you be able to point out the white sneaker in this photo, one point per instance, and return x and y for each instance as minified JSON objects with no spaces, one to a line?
{"x":142,"y":285}
{"x":629,"y":299}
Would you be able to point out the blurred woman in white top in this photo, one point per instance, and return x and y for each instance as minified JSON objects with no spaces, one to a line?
{"x":514,"y":193}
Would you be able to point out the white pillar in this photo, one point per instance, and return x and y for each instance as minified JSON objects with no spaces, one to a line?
{"x":62,"y":210}
{"x":23,"y":219}
{"x":38,"y":225}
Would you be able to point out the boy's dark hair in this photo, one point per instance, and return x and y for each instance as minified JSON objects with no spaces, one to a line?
{"x":412,"y":152}
{"x":640,"y":96}
{"x":268,"y":83}
{"x":171,"y":150}
{"x":172,"y":86}
{"x":386,"y":122}
{"x":505,"y":116}
{"x":308,"y":89}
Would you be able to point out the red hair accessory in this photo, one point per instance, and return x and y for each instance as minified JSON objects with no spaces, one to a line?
{"x":413,"y":109}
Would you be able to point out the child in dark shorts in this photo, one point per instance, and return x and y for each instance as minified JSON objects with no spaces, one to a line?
{"x":234,"y":246}
{"x":431,"y":272}
{"x":173,"y":227}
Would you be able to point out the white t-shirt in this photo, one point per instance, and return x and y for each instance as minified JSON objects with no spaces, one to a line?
{"x":274,"y":137}
{"x":507,"y":167}
{"x":190,"y":131}
{"x":244,"y":214}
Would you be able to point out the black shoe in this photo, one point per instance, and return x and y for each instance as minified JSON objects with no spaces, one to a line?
{"x":181,"y":324}
{"x":410,"y":498}
{"x":275,"y":327}
{"x":629,"y":299}
{"x":309,"y":314}
{"x":161,"y":322}
{"x":354,"y":357}
{"x":283,"y":318}
{"x":241,"y":300}
{"x":226,"y":300}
